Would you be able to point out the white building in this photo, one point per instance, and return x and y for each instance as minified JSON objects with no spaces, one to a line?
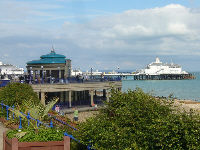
{"x":8,"y":69}
{"x":76,"y":72}
{"x":158,"y":68}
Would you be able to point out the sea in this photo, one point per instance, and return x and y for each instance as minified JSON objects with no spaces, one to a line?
{"x":180,"y":89}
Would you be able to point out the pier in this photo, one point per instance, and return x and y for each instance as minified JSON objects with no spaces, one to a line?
{"x":162,"y":71}
{"x":163,"y":77}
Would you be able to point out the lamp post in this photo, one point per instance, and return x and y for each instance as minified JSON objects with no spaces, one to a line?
{"x":117,"y":69}
{"x":30,"y":76}
{"x":91,"y":72}
{"x":42,"y":74}
{"x":118,"y":73}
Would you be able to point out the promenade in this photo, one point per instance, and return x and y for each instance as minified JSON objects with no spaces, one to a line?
{"x":2,"y":129}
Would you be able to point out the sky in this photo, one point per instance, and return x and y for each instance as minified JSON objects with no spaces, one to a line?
{"x":102,"y":34}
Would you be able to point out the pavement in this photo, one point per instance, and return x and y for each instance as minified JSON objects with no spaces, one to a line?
{"x":81,"y":109}
{"x":2,"y":129}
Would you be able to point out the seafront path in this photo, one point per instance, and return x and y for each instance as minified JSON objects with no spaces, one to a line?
{"x":2,"y":129}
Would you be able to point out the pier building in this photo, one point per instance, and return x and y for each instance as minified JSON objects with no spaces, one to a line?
{"x":50,"y":66}
{"x":162,"y":71}
{"x":70,"y":92}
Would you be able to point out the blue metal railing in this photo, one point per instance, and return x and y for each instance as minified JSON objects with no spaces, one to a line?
{"x":64,"y":123}
{"x":28,"y":117}
{"x":70,"y":80}
{"x":22,"y":114}
{"x":30,"y":80}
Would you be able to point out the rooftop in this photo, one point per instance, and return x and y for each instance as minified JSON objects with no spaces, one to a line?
{"x":51,"y":58}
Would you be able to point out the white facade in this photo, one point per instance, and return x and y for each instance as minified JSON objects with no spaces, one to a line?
{"x":7,"y":69}
{"x":76,"y":72}
{"x":158,"y":68}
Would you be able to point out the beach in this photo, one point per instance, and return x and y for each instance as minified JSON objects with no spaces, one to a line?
{"x":186,"y":105}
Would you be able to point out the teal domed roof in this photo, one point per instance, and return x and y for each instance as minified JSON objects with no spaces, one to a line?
{"x":52,"y":55}
{"x":51,"y":58}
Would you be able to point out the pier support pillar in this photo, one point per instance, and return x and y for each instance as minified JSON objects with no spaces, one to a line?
{"x":91,"y":97}
{"x":60,"y":74}
{"x":70,"y":99}
{"x":66,"y":96}
{"x":95,"y":93}
{"x":62,"y":97}
{"x":43,"y":98}
{"x":75,"y":95}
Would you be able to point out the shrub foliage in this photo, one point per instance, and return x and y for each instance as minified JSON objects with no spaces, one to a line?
{"x":18,"y":94}
{"x":42,"y":135}
{"x":136,"y":120}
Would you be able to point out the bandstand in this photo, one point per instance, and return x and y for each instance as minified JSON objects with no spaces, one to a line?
{"x":51,"y":67}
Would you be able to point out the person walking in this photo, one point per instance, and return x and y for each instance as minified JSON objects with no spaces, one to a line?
{"x":75,"y":114}
{"x":57,"y":109}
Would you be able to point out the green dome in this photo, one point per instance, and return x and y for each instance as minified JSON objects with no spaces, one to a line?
{"x":51,"y":58}
{"x":52,"y":55}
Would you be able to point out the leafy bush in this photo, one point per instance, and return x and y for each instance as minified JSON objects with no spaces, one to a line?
{"x":17,"y":93}
{"x":136,"y":120}
{"x":38,"y":112}
{"x":42,"y":135}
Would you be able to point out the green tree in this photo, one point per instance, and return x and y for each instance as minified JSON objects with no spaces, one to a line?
{"x":18,"y":94}
{"x":136,"y":120}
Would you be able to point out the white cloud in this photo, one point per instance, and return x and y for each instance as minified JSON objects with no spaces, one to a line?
{"x":170,"y":30}
{"x":177,"y":28}
{"x":139,"y":29}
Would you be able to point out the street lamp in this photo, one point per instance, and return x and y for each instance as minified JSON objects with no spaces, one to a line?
{"x":91,"y":73}
{"x":117,"y":69}
{"x":118,"y":73}
{"x":42,"y":74}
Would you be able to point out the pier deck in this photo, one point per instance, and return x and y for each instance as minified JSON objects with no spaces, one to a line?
{"x":72,"y":93}
{"x":76,"y":86}
{"x":164,"y":77}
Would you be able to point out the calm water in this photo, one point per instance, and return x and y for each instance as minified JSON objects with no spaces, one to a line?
{"x":182,"y":89}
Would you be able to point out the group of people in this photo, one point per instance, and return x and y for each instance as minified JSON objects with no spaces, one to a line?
{"x":57,"y":109}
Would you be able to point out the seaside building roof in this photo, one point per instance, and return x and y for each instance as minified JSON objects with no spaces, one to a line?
{"x":51,"y":65}
{"x":51,"y":58}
